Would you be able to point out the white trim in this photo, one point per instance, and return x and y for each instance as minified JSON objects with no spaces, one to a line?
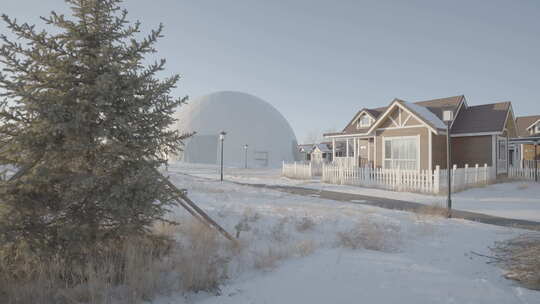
{"x":458,"y":110}
{"x":475,"y":134}
{"x":406,"y":121}
{"x":333,"y":149}
{"x":375,"y":151}
{"x":394,"y":122}
{"x":430,"y":152}
{"x":390,"y":108}
{"x":399,"y":128}
{"x":347,"y":135}
{"x":534,"y":124}
{"x":494,"y":152}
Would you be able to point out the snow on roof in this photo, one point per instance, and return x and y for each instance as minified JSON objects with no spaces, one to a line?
{"x":323,"y":147}
{"x":426,"y":114}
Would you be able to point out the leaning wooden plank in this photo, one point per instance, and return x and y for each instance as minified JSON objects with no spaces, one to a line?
{"x":181,"y":194}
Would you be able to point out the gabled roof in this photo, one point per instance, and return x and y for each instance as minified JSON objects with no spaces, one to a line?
{"x":419,"y":112}
{"x":436,"y":106}
{"x":482,"y":119}
{"x":323,"y":147}
{"x":523,"y":123}
{"x":425,"y":114}
{"x":305,"y":147}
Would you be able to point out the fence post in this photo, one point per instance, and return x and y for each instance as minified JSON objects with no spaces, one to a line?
{"x":437,"y":179}
{"x":466,"y":173}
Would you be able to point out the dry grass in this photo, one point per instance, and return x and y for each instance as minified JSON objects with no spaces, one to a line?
{"x":131,"y":272}
{"x":523,"y":186}
{"x":521,"y":258}
{"x":306,"y":247}
{"x":268,"y":259}
{"x":278,"y":233}
{"x":371,"y":235}
{"x":305,"y":224}
{"x":432,"y":211}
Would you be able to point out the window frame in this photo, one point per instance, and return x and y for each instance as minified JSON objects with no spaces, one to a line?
{"x":390,"y":138}
{"x":360,"y":124}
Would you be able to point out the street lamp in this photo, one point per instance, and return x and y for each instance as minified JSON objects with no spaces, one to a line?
{"x":222,"y":139}
{"x":245,"y":154}
{"x":448,"y":116}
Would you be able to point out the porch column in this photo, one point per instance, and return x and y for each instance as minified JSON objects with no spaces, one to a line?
{"x":333,"y":149}
{"x":355,"y":150}
{"x":347,"y":147}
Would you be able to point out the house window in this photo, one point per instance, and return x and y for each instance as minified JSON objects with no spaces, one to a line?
{"x":401,"y":153}
{"x":363,"y":122}
{"x":537,"y":128}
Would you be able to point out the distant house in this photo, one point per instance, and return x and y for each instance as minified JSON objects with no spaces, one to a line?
{"x":528,"y":126}
{"x":412,"y":135}
{"x":304,"y":150}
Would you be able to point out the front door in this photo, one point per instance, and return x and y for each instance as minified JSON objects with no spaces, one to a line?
{"x":502,"y":155}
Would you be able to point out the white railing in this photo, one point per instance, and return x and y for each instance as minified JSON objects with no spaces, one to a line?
{"x":423,"y":181}
{"x":297,"y":170}
{"x":529,"y":163}
{"x":523,"y":173}
{"x":345,"y":161}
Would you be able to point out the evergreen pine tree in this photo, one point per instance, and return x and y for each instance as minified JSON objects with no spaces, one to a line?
{"x":86,"y":122}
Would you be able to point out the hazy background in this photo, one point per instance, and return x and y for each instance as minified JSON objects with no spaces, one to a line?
{"x":318,"y":62}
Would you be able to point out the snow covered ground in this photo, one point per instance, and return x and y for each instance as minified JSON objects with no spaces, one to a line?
{"x":431,"y":259}
{"x":519,"y":200}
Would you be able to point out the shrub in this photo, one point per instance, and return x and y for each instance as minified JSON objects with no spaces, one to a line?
{"x":521,"y":258}
{"x":305,"y":224}
{"x":433,"y":210}
{"x":371,"y":235}
{"x":306,"y":247}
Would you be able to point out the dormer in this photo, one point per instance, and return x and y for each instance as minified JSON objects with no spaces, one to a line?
{"x":364,"y":121}
{"x":534,"y":129}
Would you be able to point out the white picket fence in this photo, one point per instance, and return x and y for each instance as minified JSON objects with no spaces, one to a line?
{"x":467,"y":177}
{"x":423,"y":181}
{"x":297,"y":170}
{"x":397,"y":180}
{"x":523,"y":173}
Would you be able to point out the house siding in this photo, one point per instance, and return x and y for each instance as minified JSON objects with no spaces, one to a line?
{"x":439,"y":151}
{"x":528,"y":152}
{"x":423,"y":132}
{"x":472,"y":150}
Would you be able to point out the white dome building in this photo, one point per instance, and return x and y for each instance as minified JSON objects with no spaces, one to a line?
{"x":247,"y":120}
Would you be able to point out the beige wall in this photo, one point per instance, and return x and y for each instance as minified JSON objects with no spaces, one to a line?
{"x":423,"y":132}
{"x":528,"y":152}
{"x":472,"y":150}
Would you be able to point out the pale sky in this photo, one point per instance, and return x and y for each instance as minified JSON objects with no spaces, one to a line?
{"x":319,"y":62}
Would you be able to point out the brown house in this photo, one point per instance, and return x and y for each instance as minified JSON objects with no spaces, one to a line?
{"x":412,"y":136}
{"x":528,"y":126}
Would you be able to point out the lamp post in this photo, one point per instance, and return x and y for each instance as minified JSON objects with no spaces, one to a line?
{"x":245,"y":154}
{"x":448,"y":116}
{"x":222,"y":139}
